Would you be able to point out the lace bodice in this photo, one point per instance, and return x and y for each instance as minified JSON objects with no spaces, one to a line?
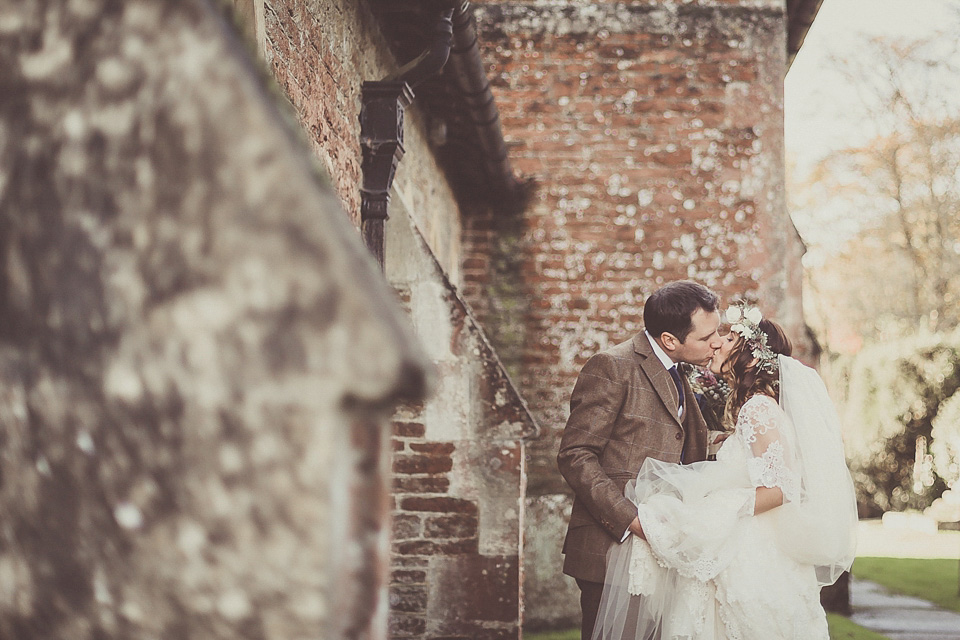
{"x":770,"y":460}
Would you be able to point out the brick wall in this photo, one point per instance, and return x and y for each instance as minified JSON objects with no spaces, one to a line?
{"x":314,"y":53}
{"x":655,"y":133}
{"x":440,"y":583}
{"x":321,"y":53}
{"x":458,"y":470}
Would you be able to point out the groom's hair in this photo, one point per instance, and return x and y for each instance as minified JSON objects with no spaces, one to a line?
{"x":669,"y":309}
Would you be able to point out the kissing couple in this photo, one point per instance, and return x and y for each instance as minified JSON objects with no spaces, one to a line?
{"x":666,"y":545}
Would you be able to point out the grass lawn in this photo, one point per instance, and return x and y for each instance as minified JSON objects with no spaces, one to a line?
{"x":931,"y":579}
{"x":840,"y":629}
{"x":572,"y":634}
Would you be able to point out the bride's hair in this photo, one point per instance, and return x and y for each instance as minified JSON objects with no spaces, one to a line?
{"x":746,"y":377}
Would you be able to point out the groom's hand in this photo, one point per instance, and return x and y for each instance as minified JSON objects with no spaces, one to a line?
{"x":636,"y":529}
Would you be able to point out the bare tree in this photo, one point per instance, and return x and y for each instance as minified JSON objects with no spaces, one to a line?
{"x":901,"y":189}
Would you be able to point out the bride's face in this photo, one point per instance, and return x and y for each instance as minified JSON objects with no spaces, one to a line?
{"x":728,"y":342}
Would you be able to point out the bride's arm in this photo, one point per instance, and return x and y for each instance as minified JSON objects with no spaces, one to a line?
{"x":637,"y":529}
{"x":769,"y":460}
{"x":767,"y":498}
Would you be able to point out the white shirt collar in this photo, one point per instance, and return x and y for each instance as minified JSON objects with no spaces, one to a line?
{"x":661,"y":354}
{"x":665,"y":360}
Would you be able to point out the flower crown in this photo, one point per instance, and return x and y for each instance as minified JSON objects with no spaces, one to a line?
{"x":745,"y":322}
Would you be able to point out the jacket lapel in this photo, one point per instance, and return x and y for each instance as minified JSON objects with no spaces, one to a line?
{"x":694,"y":427}
{"x":659,"y":377}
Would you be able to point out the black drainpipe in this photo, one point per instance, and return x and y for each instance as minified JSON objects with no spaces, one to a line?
{"x":381,"y":131}
{"x":381,"y":118}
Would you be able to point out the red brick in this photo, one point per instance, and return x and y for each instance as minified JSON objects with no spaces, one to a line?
{"x":408,"y":429}
{"x":406,"y":626}
{"x":406,"y":484}
{"x":408,"y":576}
{"x":442,"y":504}
{"x":437,"y":448}
{"x":406,"y":527}
{"x":427,"y":464}
{"x":453,"y":526}
{"x":433,"y":548}
{"x":408,"y":598}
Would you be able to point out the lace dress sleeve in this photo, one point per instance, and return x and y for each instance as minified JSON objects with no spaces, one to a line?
{"x":770,"y":460}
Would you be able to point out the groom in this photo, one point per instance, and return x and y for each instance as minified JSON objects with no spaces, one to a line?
{"x":631,"y":402}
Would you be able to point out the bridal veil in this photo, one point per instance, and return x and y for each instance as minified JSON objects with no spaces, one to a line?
{"x":821,"y":528}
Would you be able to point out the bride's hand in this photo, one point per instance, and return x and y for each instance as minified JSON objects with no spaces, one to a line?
{"x":721,"y":436}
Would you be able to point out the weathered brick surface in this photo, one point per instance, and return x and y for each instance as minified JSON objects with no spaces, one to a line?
{"x":407,"y":526}
{"x":320,"y":53}
{"x":313,"y":53}
{"x":403,"y":484}
{"x":443,"y":449}
{"x":408,"y":429}
{"x":439,"y":504}
{"x":451,"y":526}
{"x":436,"y":548}
{"x":402,"y":576}
{"x":654,"y":131}
{"x":478,"y":591}
{"x":458,"y":482}
{"x":406,"y":625}
{"x":408,"y":598}
{"x":429,"y":464}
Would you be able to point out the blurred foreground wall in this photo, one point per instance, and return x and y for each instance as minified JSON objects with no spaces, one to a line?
{"x":197,"y":358}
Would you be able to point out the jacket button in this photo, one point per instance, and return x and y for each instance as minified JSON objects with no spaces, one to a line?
{"x":679,"y":436}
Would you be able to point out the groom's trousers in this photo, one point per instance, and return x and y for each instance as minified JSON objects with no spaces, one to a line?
{"x":590,"y":593}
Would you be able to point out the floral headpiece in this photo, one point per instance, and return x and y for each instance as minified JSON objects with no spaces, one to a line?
{"x":745,"y":322}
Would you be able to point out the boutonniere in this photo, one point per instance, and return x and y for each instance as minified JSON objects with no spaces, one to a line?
{"x":713,"y":391}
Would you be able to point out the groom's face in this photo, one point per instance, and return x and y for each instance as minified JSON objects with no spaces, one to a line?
{"x":702,"y":341}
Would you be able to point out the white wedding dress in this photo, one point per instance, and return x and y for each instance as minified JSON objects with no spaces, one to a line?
{"x":710,"y":569}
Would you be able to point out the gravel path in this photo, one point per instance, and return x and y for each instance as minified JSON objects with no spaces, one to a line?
{"x":895,"y":616}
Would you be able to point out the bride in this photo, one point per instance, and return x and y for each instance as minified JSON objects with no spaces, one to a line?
{"x":738,"y":549}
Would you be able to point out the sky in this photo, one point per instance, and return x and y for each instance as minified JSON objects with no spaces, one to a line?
{"x":823,"y":108}
{"x":818,"y":101}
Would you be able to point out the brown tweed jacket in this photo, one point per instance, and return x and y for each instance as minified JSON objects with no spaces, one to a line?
{"x":623,"y":409}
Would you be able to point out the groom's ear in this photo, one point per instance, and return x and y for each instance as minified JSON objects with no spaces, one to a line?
{"x":669,"y":341}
